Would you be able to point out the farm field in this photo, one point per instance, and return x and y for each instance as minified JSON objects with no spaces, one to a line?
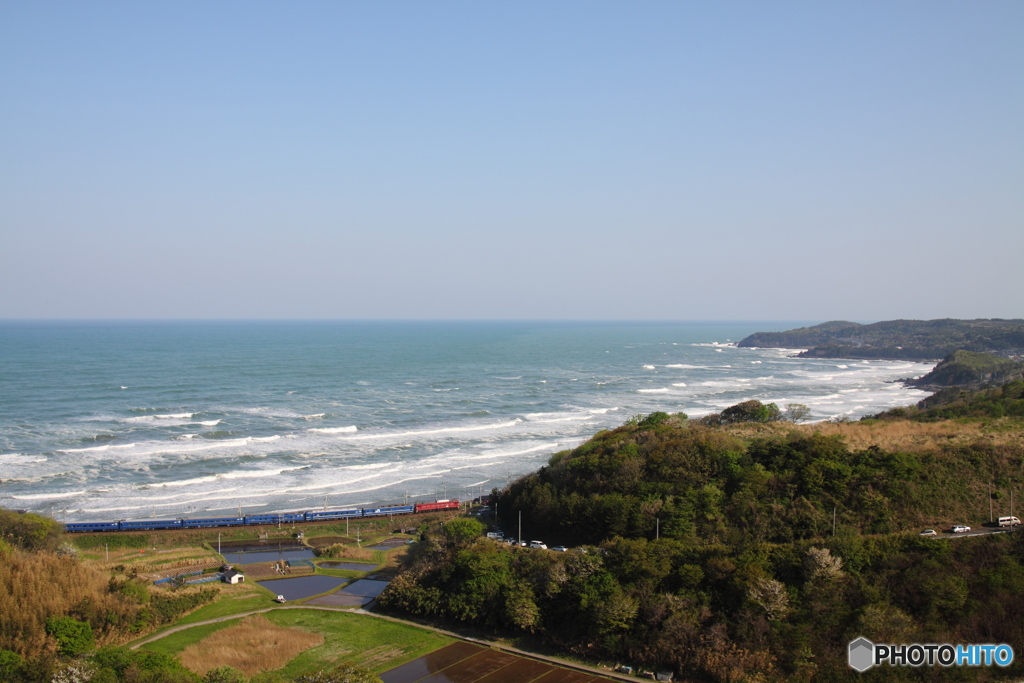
{"x":374,"y":644}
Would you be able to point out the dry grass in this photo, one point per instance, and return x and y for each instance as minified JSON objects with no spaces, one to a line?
{"x":339,"y":550}
{"x":896,"y":435}
{"x":253,"y":646}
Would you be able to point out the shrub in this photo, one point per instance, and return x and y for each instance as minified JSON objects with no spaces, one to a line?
{"x":73,"y":637}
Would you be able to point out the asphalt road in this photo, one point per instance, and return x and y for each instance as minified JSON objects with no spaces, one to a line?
{"x":975,"y":531}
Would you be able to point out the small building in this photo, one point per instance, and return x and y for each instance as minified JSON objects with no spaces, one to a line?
{"x":233,"y":576}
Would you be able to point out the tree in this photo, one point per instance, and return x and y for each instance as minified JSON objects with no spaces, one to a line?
{"x":751,"y":411}
{"x":11,"y":665}
{"x":771,"y":596}
{"x":461,"y":531}
{"x":73,"y":637}
{"x":797,"y":412}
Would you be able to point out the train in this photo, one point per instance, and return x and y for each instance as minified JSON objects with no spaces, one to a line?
{"x":259,"y":519}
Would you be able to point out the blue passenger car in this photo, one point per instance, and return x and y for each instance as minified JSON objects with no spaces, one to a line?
{"x":212,"y":521}
{"x":151,"y":524}
{"x":83,"y":527}
{"x":268,"y":518}
{"x":332,"y":514}
{"x":390,"y":510}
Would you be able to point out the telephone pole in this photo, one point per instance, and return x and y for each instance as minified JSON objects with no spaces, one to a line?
{"x":520,"y":527}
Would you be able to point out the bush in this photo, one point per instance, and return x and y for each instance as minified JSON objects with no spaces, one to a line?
{"x":29,"y":531}
{"x":73,"y":637}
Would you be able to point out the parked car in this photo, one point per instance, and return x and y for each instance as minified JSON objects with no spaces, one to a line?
{"x":560,"y":549}
{"x":280,"y":598}
{"x":961,"y":528}
{"x":538,"y":544}
{"x":929,"y":532}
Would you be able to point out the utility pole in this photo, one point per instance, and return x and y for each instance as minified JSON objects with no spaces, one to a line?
{"x":657,"y":528}
{"x":106,"y":549}
{"x":833,"y":520}
{"x":218,"y":543}
{"x":346,"y":526}
{"x":990,"y":503}
{"x":520,"y":527}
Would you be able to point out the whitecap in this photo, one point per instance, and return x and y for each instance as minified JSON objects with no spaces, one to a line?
{"x":313,"y":416}
{"x":662,"y":390}
{"x":648,"y":367}
{"x":679,"y":384}
{"x":334,"y":430}
{"x":266,"y":439}
{"x":684,"y":366}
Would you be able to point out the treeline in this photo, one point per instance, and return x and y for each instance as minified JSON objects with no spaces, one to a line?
{"x":697,"y":551}
{"x":696,"y":482}
{"x":898,"y":339}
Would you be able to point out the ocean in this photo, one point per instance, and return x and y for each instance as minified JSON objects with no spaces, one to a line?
{"x":133,"y":420}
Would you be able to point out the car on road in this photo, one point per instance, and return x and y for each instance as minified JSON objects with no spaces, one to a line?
{"x":1008,"y":521}
{"x":961,"y":528}
{"x":538,"y":545}
{"x":560,"y":549}
{"x":929,"y":532}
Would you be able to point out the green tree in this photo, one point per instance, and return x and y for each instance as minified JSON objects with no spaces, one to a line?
{"x":11,"y":665}
{"x":29,"y":531}
{"x":73,"y":637}
{"x":459,"y":532}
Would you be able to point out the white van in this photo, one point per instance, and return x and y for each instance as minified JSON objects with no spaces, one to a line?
{"x":538,"y":544}
{"x":1008,"y":521}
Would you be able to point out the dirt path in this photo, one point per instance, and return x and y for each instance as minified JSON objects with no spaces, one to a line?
{"x":485,"y":643}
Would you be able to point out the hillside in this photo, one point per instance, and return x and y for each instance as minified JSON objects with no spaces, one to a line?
{"x":970,"y":370}
{"x":898,"y":339}
{"x":747,"y":551}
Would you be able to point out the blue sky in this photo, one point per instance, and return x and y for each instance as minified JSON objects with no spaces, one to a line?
{"x":659,"y":160}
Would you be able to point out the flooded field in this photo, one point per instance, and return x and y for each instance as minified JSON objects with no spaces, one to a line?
{"x":356,"y":594}
{"x":469,"y":663}
{"x":268,"y":556}
{"x":302,"y":587}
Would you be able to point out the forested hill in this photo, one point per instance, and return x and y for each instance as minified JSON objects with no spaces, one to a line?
{"x":749,"y":550}
{"x":898,"y":339}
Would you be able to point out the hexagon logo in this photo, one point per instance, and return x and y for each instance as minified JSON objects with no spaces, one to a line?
{"x":861,"y":654}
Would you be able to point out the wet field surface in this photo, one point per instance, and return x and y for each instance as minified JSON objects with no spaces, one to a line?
{"x":356,"y":594}
{"x":268,"y":556}
{"x":302,"y":587}
{"x":468,"y":663}
{"x":352,"y":566}
{"x":389,"y":544}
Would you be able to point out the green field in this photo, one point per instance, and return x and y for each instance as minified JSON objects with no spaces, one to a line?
{"x":369,"y":642}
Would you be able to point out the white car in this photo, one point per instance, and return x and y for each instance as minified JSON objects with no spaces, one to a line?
{"x":280,"y":598}
{"x":560,"y":549}
{"x":961,"y":528}
{"x":929,"y":532}
{"x":538,"y":544}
